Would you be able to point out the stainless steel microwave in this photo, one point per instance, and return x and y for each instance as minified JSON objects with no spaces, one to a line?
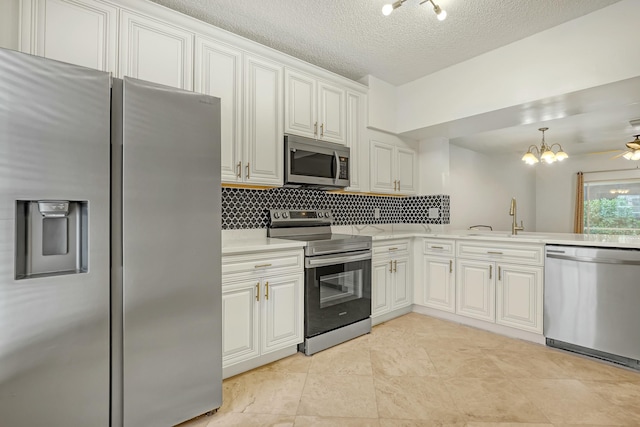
{"x":317,"y":164}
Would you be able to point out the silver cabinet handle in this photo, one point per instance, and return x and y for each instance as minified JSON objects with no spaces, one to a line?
{"x":390,"y":266}
{"x":322,"y":129}
{"x":258,"y":291}
{"x":262,"y":265}
{"x":393,"y":249}
{"x":494,"y":252}
{"x":399,"y":185}
{"x":499,"y":273}
{"x":248,"y":173}
{"x":490,"y":271}
{"x":266,"y":291}
{"x":395,"y":266}
{"x":315,"y":128}
{"x":450,"y":266}
{"x":239,"y":168}
{"x":395,"y":185}
{"x":436,"y":247}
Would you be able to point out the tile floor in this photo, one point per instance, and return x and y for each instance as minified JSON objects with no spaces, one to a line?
{"x":420,"y":371}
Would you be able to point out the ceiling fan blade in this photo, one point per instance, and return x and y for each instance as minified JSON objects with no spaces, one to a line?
{"x":619,"y":155}
{"x":633,"y":145}
{"x":603,"y":152}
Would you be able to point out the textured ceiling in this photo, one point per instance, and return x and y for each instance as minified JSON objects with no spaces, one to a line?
{"x":352,"y":37}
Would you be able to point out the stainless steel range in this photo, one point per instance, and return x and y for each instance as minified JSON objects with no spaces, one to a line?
{"x":337,"y":294}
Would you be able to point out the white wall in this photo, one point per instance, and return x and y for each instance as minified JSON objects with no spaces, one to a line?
{"x":9,"y":24}
{"x":556,"y":188}
{"x":382,"y":108}
{"x":595,"y":49}
{"x":433,"y":161}
{"x":482,"y":188}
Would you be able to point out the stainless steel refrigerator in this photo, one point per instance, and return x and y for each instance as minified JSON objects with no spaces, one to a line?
{"x":110,"y":291}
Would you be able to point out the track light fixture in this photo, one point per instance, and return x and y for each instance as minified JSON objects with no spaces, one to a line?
{"x":388,"y":8}
{"x":544,"y":153}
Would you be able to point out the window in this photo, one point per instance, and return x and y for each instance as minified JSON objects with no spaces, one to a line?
{"x":612,"y":206}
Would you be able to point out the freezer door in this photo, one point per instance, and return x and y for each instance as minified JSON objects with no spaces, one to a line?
{"x":54,"y":313}
{"x":171,"y":295}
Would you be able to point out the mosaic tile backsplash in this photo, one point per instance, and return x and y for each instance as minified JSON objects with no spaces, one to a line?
{"x":246,"y":208}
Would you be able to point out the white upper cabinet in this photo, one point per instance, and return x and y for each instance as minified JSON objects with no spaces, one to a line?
{"x":331,"y":113}
{"x":300,"y":104}
{"x":263,"y":133}
{"x":218,"y":72}
{"x":356,"y":104}
{"x":314,"y":108}
{"x":155,"y":51}
{"x":78,"y":32}
{"x":393,"y":169}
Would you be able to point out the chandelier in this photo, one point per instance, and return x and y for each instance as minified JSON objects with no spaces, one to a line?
{"x":544,"y":153}
{"x":388,"y":8}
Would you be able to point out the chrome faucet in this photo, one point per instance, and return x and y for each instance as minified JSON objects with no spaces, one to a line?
{"x":514,"y":225}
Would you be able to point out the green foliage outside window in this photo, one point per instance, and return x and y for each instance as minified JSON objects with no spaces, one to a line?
{"x":611,"y":216}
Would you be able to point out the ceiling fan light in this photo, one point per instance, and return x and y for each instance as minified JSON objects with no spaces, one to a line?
{"x":628,"y":155}
{"x":635,"y":155}
{"x":387,"y":9}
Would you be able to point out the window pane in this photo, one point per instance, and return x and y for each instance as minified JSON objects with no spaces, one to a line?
{"x":612,"y":207}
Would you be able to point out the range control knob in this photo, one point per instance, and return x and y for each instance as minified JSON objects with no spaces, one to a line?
{"x":285,"y":214}
{"x":326,"y":214}
{"x":276,"y":215}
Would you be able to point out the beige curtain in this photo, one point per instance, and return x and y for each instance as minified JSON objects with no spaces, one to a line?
{"x":578,"y":219}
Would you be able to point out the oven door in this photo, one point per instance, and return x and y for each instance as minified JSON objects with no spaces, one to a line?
{"x":337,"y":291}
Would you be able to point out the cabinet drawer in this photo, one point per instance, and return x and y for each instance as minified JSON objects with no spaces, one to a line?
{"x":259,"y":264}
{"x":505,"y":252}
{"x":392,"y":248}
{"x":442,"y":247}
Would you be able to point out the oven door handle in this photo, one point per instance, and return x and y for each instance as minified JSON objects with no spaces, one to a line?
{"x":322,"y":261}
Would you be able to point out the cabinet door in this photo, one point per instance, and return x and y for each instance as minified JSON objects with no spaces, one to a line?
{"x":263,"y":136}
{"x":300,"y":116}
{"x":406,"y":171}
{"x":439,"y":283}
{"x":380,"y":288}
{"x":79,"y":32}
{"x":240,"y":317}
{"x":219,"y":73}
{"x":355,"y":131}
{"x":475,"y":289}
{"x":155,"y":51}
{"x":382,"y":167}
{"x":401,"y":281}
{"x":331,"y":113}
{"x":519,"y":297}
{"x":282,"y":319}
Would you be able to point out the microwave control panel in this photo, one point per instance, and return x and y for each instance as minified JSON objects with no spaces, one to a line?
{"x":344,"y":168}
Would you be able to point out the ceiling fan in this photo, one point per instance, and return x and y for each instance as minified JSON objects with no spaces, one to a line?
{"x":633,"y":152}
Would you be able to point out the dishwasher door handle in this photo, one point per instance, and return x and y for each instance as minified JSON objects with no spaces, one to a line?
{"x":595,"y":259}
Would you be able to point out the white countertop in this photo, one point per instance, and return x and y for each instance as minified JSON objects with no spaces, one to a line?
{"x":242,"y":241}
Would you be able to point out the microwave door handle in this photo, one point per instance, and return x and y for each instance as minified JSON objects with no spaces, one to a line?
{"x":337,"y":159}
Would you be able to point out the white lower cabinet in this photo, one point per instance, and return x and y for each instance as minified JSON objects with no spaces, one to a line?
{"x":519,"y":297}
{"x":439,"y":283}
{"x":475,"y":289}
{"x":262,"y":308}
{"x":391,"y":289}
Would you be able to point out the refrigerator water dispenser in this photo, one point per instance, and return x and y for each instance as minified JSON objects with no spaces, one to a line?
{"x":51,"y":238}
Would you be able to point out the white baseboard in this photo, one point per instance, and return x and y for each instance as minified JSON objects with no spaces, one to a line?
{"x":247,"y":365}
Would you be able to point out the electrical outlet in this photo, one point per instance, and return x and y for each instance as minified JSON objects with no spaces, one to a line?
{"x":376,"y":213}
{"x":434,"y":213}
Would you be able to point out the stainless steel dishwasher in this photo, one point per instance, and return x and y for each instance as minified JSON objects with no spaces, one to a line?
{"x":592,"y":302}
